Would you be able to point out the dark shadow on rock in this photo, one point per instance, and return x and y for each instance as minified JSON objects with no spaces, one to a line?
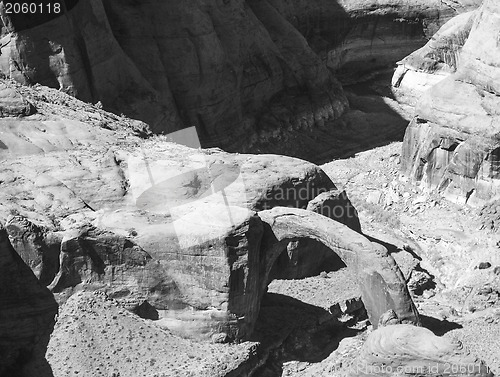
{"x":308,"y":258}
{"x":369,"y":123}
{"x":437,"y":326}
{"x":147,"y":311}
{"x":391,"y":248}
{"x":289,"y":329}
{"x":27,"y":312}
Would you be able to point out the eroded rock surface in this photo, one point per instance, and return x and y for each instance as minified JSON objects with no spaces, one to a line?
{"x":404,"y":350}
{"x":95,"y":336}
{"x":382,"y":284}
{"x":452,"y":143}
{"x":157,"y":222}
{"x":239,"y":71}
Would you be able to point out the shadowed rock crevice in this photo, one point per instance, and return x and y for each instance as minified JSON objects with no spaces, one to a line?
{"x":291,"y":330}
{"x":27,"y":312}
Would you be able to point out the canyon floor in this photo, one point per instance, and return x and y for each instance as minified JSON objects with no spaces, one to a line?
{"x":449,"y":240}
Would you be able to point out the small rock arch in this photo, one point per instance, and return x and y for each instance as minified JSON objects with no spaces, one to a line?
{"x":382,"y":284}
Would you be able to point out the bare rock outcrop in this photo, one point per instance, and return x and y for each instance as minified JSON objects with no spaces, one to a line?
{"x":433,"y":62}
{"x":157,"y":222}
{"x":308,"y":257}
{"x":451,"y":145}
{"x":382,"y":284}
{"x":12,"y":103}
{"x":336,"y":205}
{"x":27,"y":310}
{"x":95,"y":336}
{"x":404,"y":350}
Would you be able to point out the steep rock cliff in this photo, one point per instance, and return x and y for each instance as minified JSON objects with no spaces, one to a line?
{"x":452,"y":143}
{"x":239,"y":71}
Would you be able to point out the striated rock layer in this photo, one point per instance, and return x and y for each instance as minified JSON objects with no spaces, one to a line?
{"x":239,"y":71}
{"x":452,"y":143}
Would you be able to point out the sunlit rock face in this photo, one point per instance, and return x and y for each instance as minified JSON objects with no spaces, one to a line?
{"x":239,"y":71}
{"x":452,"y":143}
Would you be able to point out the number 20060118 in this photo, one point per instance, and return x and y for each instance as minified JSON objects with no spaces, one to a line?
{"x":31,"y":8}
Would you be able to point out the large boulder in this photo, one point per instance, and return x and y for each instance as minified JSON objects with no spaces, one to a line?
{"x":12,"y":104}
{"x":452,"y":145}
{"x":405,"y":350}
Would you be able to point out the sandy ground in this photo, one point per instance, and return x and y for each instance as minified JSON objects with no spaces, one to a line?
{"x":94,"y":336}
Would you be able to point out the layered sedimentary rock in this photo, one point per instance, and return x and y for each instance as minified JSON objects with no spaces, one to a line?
{"x":452,"y":143}
{"x":149,"y":220}
{"x":433,"y":62}
{"x":239,"y":71}
{"x":403,"y":350}
{"x":27,"y":310}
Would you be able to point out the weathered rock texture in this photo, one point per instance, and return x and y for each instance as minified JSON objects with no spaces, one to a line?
{"x":382,"y":283}
{"x":435,"y":61}
{"x":452,"y":143}
{"x":94,"y":336}
{"x":308,"y":257}
{"x":403,"y":350}
{"x":239,"y":71}
{"x":149,"y":220}
{"x":27,"y":310}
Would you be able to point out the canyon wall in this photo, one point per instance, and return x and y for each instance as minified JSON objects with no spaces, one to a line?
{"x":239,"y":71}
{"x":452,"y":143}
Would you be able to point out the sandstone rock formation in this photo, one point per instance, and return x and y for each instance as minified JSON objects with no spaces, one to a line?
{"x":308,"y":257}
{"x":382,"y":284}
{"x":241,"y":72}
{"x":12,"y":103}
{"x":95,"y":336}
{"x":148,"y":220}
{"x":27,"y":310}
{"x":433,"y":62}
{"x":403,"y":350}
{"x":452,"y":144}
